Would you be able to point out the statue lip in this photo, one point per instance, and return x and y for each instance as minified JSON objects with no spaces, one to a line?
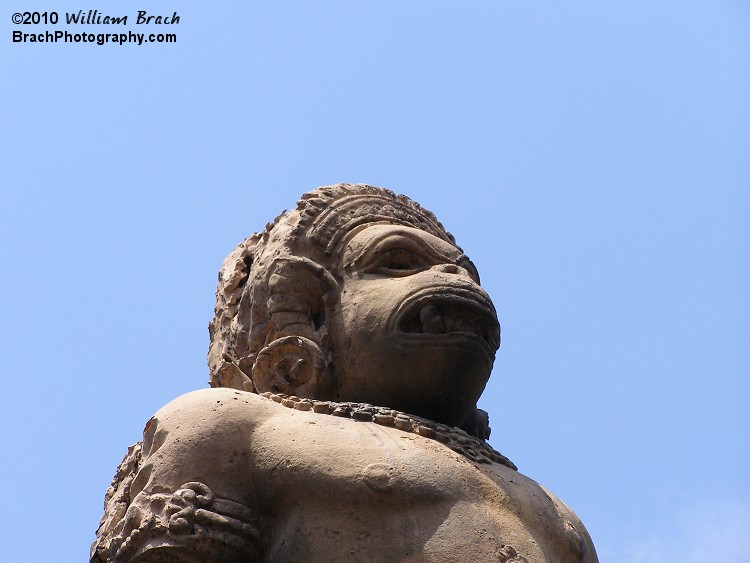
{"x":445,"y":312}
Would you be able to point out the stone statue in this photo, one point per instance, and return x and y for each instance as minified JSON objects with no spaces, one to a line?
{"x":350,"y":343}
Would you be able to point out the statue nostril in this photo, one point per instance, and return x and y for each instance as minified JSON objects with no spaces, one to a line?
{"x":450,"y":269}
{"x":454,"y":269}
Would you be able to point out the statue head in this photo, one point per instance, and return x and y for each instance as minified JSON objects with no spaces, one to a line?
{"x":359,"y":295}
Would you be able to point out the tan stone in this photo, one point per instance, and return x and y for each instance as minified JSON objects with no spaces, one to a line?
{"x":350,"y":343}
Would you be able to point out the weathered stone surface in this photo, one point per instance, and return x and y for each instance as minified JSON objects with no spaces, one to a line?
{"x":350,"y":343}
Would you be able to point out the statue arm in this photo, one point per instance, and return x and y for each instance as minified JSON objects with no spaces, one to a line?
{"x":185,"y":492}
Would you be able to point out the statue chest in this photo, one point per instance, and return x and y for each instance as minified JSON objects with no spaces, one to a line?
{"x":350,"y":460}
{"x":338,"y":489}
{"x":241,"y":479}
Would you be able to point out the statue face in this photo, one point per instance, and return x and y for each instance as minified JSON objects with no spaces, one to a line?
{"x":414,"y":331}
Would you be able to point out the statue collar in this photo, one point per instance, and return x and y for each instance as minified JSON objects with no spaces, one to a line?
{"x":456,"y":439}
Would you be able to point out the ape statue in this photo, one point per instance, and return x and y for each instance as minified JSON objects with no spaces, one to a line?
{"x":350,"y":344}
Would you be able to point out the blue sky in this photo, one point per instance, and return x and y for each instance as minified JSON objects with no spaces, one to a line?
{"x":591,"y":158}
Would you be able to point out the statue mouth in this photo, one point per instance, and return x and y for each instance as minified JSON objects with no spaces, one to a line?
{"x":449,"y":312}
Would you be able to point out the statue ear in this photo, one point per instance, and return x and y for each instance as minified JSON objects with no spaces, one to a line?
{"x":292,"y":365}
{"x":300,"y":296}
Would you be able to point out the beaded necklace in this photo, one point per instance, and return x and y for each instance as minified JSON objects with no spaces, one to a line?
{"x":456,"y":439}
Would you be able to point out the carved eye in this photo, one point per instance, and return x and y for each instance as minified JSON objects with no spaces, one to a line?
{"x":398,"y":261}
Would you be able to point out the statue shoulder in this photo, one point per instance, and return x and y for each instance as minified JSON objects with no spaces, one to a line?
{"x":206,"y":406}
{"x":574,"y":530}
{"x":158,"y":496}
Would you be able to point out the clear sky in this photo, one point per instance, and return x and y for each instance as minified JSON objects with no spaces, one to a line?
{"x":592,"y":158}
